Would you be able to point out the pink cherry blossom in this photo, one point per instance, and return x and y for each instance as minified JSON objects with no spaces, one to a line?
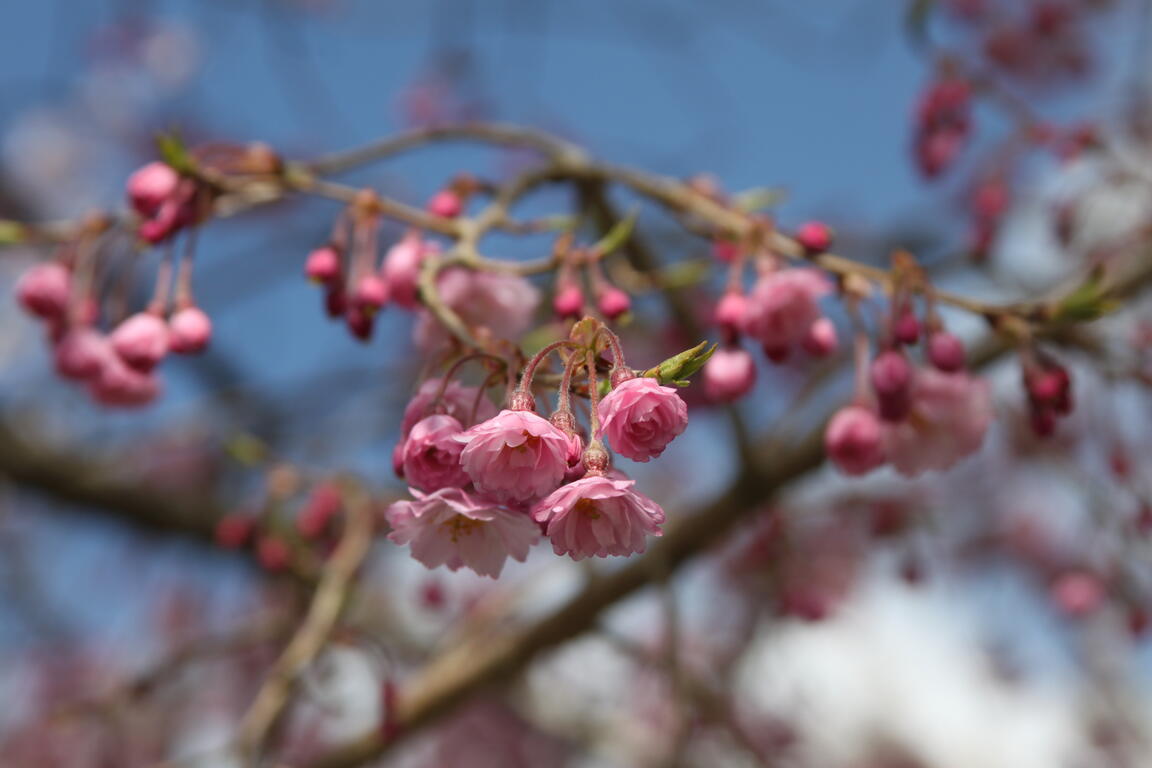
{"x":598,"y":516}
{"x":120,"y":385}
{"x":81,"y":353}
{"x":948,"y":417}
{"x":323,"y":265}
{"x":490,"y":303}
{"x":141,"y":341}
{"x":44,"y":289}
{"x":458,"y":401}
{"x":729,"y":374}
{"x":459,"y":529}
{"x":401,"y":269}
{"x":431,"y":457}
{"x":150,"y":186}
{"x":640,"y":417}
{"x":189,"y":331}
{"x":782,"y":308}
{"x":854,"y":440}
{"x":515,"y":456}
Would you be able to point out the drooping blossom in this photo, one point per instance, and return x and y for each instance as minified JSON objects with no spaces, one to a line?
{"x":189,"y":330}
{"x":323,"y":265}
{"x":613,"y":302}
{"x":150,"y":186}
{"x":141,"y":341}
{"x":782,"y":307}
{"x":947,"y":419}
{"x":598,"y":516}
{"x":639,"y":417}
{"x":729,"y":374}
{"x":515,"y":456}
{"x":854,"y":440}
{"x":81,"y":353}
{"x":44,"y":289}
{"x":118,"y":384}
{"x":490,"y":303}
{"x":460,"y":529}
{"x":431,"y":457}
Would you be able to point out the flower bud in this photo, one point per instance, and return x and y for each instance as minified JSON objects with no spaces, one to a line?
{"x":189,"y":331}
{"x":815,"y":237}
{"x":730,"y":312}
{"x":446,"y":204}
{"x":150,"y":186}
{"x":568,"y":302}
{"x":361,"y":324}
{"x":822,"y":339}
{"x":906,"y":329}
{"x":613,"y":302}
{"x":402,"y":270}
{"x":234,"y":531}
{"x":141,"y":341}
{"x":946,"y":352}
{"x":80,"y":353}
{"x":370,"y":295}
{"x":892,"y":381}
{"x":44,"y":289}
{"x":854,"y":440}
{"x":729,"y":374}
{"x":323,"y":265}
{"x":273,"y":553}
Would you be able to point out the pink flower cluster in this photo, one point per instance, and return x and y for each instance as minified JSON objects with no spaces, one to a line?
{"x":486,"y":492}
{"x":165,"y":201}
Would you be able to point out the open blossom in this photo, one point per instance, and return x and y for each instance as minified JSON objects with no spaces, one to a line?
{"x":854,"y":440}
{"x":640,"y":417}
{"x":515,"y":456}
{"x":782,"y":308}
{"x":431,"y":457}
{"x":949,"y":415}
{"x":490,"y":303}
{"x":598,"y":516}
{"x":459,"y":529}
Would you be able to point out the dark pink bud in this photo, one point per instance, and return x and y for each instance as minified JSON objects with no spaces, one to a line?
{"x":402,"y":270}
{"x":568,"y":302}
{"x":822,"y":339}
{"x":81,"y":353}
{"x":991,"y":199}
{"x":120,"y":385}
{"x":234,"y":531}
{"x":946,"y":352}
{"x":814,"y":236}
{"x":360,"y":324}
{"x":150,"y":186}
{"x":446,"y":204}
{"x":892,"y":381}
{"x":937,"y":149}
{"x":854,"y":440}
{"x":725,"y":251}
{"x":189,"y":331}
{"x":613,"y":302}
{"x":729,"y":374}
{"x":335,"y":302}
{"x":323,"y":265}
{"x":44,"y":289}
{"x":906,"y":329}
{"x":272,"y":553}
{"x":371,"y":294}
{"x":141,"y":341}
{"x":323,"y":506}
{"x":730,"y":313}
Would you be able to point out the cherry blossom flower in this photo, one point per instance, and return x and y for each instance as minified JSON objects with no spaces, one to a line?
{"x":515,"y":456}
{"x":640,"y":417}
{"x":598,"y":516}
{"x":948,"y":417}
{"x":431,"y":457}
{"x":782,"y":308}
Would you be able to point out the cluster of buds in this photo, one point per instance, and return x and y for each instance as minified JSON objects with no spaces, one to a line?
{"x":569,"y":300}
{"x":914,"y":418}
{"x":356,"y":286}
{"x":487,"y":486}
{"x":116,"y":363}
{"x":1049,"y":390}
{"x":165,"y":201}
{"x":943,"y":124}
{"x":781,"y":313}
{"x":289,"y":527}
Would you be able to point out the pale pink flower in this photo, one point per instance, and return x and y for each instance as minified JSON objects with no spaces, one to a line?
{"x":459,"y":529}
{"x":492,"y":304}
{"x":402,"y":269}
{"x":640,"y":417}
{"x":431,"y":457}
{"x":598,"y":516}
{"x":189,"y":331}
{"x":949,"y":415}
{"x":458,"y":401}
{"x":141,"y":341}
{"x":81,"y":353}
{"x":515,"y":456}
{"x":854,"y":440}
{"x":729,"y":374}
{"x":783,"y":306}
{"x":44,"y":289}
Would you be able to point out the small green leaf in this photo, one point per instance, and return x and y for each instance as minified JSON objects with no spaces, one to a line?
{"x":174,"y":152}
{"x":618,"y":235}
{"x":1088,"y":302}
{"x":12,"y":232}
{"x":758,"y":198}
{"x":679,"y":368}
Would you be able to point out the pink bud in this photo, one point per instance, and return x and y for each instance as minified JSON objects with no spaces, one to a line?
{"x":371,"y":294}
{"x":323,"y":265}
{"x":272,"y":553}
{"x":44,"y":289}
{"x":402,"y":270}
{"x":892,"y":380}
{"x":729,"y":374}
{"x":322,"y":508}
{"x":725,"y":251}
{"x":730,"y":312}
{"x":150,"y":186}
{"x":814,"y":236}
{"x":360,"y":324}
{"x":1077,"y":593}
{"x":81,"y":353}
{"x":906,"y":329}
{"x":141,"y":341}
{"x":446,"y":204}
{"x":854,"y":440}
{"x":613,"y":302}
{"x":335,"y":302}
{"x":822,"y":339}
{"x":234,"y":531}
{"x":946,"y":352}
{"x":568,"y":302}
{"x":189,"y":331}
{"x":120,"y":385}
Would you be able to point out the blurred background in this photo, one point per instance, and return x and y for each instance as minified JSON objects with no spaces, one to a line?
{"x":990,"y":616}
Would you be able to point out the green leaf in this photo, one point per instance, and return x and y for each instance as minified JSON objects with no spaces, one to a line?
{"x":1088,"y":302}
{"x":679,"y":368}
{"x":174,"y":152}
{"x":758,"y":198}
{"x":12,"y":232}
{"x":618,"y":235}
